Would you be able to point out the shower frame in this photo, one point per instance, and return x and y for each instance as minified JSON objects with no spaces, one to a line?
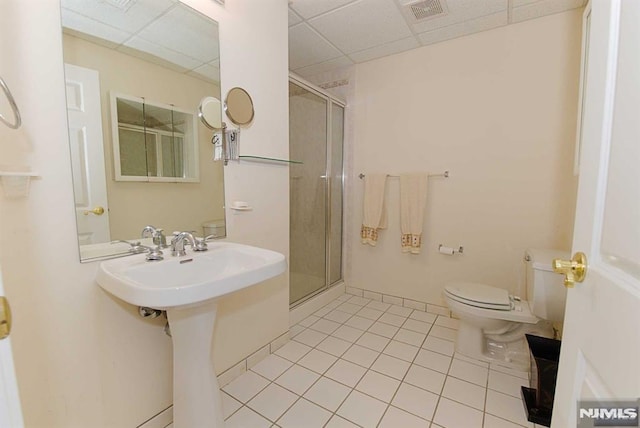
{"x":328,"y":174}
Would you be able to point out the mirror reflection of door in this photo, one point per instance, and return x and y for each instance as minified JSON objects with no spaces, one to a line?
{"x":87,"y":153}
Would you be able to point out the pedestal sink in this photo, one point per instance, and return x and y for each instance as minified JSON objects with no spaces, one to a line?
{"x":187,"y":288}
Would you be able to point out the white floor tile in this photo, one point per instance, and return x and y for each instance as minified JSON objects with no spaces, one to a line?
{"x":346,"y":373}
{"x":347,"y":333}
{"x":382,"y":329}
{"x":423,"y":316}
{"x":447,"y":322}
{"x":317,"y":361}
{"x":247,"y":418}
{"x":416,"y":401}
{"x":370,"y":313}
{"x":334,"y":346}
{"x":491,"y":421}
{"x":309,"y":320}
{"x":304,"y":414}
{"x":349,"y":308}
{"x":327,"y":393}
{"x":410,"y":337}
{"x":338,"y":422}
{"x":272,"y":401}
{"x":245,"y":387}
{"x":359,"y":322}
{"x":378,"y":386}
{"x":362,"y":409}
{"x":229,"y":405}
{"x":392,"y":319}
{"x":310,"y":337}
{"x":380,"y":306}
{"x":333,"y":304}
{"x":433,"y":360}
{"x":343,"y":297}
{"x":272,"y":366}
{"x":373,"y":341}
{"x":464,"y":392}
{"x":322,"y":311}
{"x":462,"y":357}
{"x":469,"y":372}
{"x":325,"y":326}
{"x":454,"y":415}
{"x":442,"y":332}
{"x":506,"y":384}
{"x":361,"y":355}
{"x":397,"y":418}
{"x":506,"y":407}
{"x":338,"y":316}
{"x":391,"y":366}
{"x":524,"y":374}
{"x":297,"y":379}
{"x":293,"y":351}
{"x":295,"y":330}
{"x":438,"y":345}
{"x":428,"y":379}
{"x":399,"y":310}
{"x":417,"y":325}
{"x":401,"y":350}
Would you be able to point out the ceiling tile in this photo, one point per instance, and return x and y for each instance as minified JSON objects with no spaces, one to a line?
{"x":306,"y":47}
{"x":293,"y":18}
{"x":131,"y":20}
{"x":81,"y":24}
{"x":542,"y":8}
{"x":468,"y":27}
{"x":155,"y":53}
{"x":310,"y":8}
{"x":184,"y":30}
{"x":386,"y":49}
{"x":362,"y":25}
{"x":332,"y":64}
{"x":461,"y":11}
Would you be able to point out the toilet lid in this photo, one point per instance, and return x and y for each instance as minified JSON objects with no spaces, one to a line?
{"x":480,"y":295}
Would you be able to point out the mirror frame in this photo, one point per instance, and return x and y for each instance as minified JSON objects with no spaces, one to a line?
{"x":235,"y":109}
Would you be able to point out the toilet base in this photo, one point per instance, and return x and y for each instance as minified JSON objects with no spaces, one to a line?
{"x":509,"y":350}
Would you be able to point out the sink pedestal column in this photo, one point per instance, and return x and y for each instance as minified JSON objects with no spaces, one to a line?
{"x":196,"y":394}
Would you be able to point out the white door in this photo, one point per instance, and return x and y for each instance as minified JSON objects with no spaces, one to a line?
{"x":600,"y":354}
{"x":87,"y":154}
{"x":10,"y":413}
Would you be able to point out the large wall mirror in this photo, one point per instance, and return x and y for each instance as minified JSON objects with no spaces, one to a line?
{"x":135,"y":74}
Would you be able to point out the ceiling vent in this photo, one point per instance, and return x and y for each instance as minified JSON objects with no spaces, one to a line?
{"x":423,"y":10}
{"x":123,"y":5}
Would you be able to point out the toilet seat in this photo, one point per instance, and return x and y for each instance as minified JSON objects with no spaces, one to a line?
{"x":480,"y":296}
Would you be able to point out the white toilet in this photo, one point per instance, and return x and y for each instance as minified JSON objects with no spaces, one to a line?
{"x":493,"y":322}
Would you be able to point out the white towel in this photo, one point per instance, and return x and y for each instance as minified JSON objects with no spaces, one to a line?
{"x":413,"y":198}
{"x":374,"y":211}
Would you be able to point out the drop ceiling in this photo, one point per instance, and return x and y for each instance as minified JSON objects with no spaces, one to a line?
{"x":325,"y":35}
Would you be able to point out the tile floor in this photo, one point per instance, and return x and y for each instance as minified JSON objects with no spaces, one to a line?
{"x":363,"y":363}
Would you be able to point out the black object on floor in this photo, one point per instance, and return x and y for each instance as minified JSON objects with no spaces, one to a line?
{"x":538,"y":400}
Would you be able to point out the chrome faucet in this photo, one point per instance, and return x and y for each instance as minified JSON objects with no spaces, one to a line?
{"x":158,"y":237}
{"x":153,"y":253}
{"x":177,"y":243}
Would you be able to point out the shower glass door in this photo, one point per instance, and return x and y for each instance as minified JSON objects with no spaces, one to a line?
{"x":315,"y":138}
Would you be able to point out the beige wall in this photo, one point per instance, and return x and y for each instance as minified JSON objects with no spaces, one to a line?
{"x":82,"y":357}
{"x":498,"y":110}
{"x":172,"y":206}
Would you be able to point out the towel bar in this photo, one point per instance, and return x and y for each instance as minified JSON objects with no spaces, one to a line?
{"x":14,"y":107}
{"x":444,"y":174}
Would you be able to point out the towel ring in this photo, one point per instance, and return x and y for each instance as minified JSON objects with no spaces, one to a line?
{"x":14,"y":107}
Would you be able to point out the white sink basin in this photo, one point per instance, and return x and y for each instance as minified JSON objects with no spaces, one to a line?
{"x":188,"y":287}
{"x":194,"y":278}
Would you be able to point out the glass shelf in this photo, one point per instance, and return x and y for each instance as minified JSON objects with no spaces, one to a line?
{"x":265,"y":159}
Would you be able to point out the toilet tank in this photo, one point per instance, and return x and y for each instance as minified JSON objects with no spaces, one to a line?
{"x":546,"y":292}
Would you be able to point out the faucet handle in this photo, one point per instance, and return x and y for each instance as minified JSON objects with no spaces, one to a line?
{"x":153,"y":253}
{"x":156,"y":234}
{"x":201,"y":243}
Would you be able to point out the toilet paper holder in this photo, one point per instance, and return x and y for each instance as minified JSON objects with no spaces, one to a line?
{"x":450,"y":250}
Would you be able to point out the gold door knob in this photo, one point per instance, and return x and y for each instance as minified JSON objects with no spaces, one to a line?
{"x":96,"y":211}
{"x":5,"y":318}
{"x":574,"y":270}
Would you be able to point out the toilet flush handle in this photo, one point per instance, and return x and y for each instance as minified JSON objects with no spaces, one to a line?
{"x":574,"y":270}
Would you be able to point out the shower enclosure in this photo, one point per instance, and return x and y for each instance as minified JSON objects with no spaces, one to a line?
{"x":316,"y":134}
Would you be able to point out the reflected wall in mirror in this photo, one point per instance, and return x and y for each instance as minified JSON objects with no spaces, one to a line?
{"x":164,"y":56}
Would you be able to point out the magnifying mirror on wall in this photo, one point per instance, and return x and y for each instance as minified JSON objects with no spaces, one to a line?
{"x":239,"y":106}
{"x":210,"y":113}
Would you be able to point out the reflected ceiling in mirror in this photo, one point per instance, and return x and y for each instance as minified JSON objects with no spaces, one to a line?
{"x":163,"y":53}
